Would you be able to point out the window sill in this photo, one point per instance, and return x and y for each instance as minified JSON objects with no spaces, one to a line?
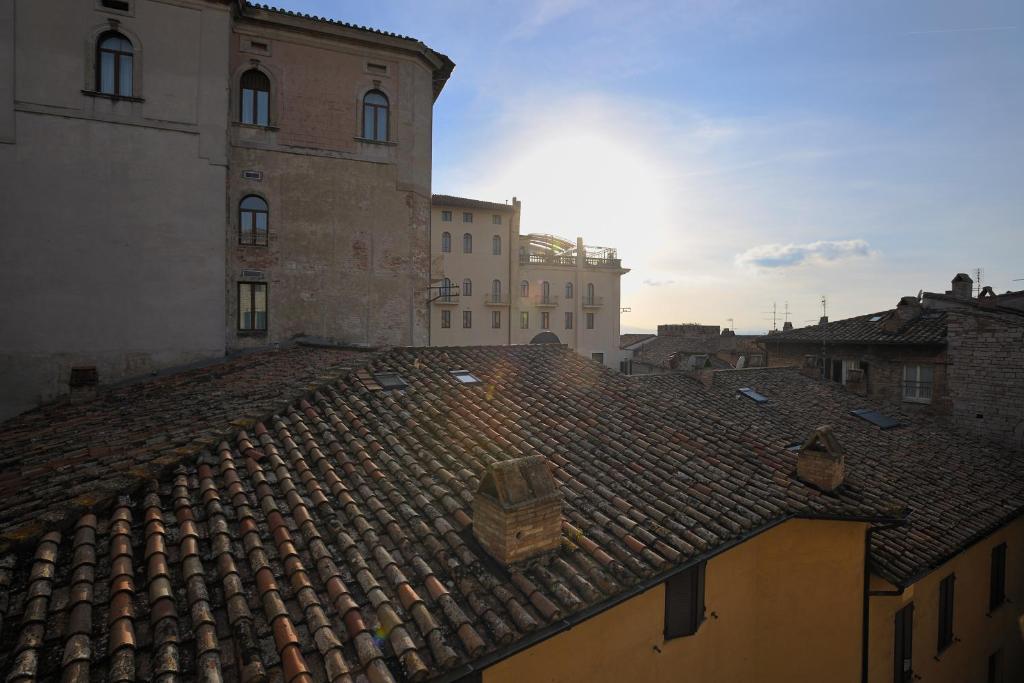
{"x":252,"y":333}
{"x":383,"y":143}
{"x":922,"y":401}
{"x":253,"y":126}
{"x":250,"y":244}
{"x":108,"y":96}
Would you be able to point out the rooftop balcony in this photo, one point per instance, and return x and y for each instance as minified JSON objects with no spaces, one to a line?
{"x":547,"y":260}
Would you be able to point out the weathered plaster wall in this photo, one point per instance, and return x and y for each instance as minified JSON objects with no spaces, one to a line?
{"x":783,"y":606}
{"x":113,"y":255}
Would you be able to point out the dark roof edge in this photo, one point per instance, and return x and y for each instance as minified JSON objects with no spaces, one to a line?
{"x":578,"y":617}
{"x":873,"y":342}
{"x":452,"y":200}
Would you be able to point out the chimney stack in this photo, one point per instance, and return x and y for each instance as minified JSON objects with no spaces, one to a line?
{"x":823,"y":320}
{"x":821,"y":461}
{"x":906,"y":310}
{"x":786,"y":326}
{"x":517,"y":510}
{"x":963,"y":286}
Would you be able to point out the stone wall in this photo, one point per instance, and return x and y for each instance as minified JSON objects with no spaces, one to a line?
{"x":986,"y":375}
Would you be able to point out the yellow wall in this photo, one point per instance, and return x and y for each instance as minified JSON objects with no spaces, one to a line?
{"x":783,"y":606}
{"x":979,"y":634}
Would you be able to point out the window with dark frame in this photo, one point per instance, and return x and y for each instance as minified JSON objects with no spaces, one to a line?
{"x":995,"y":667}
{"x":684,"y":602}
{"x":253,"y":221}
{"x":524,"y":288}
{"x":545,"y":320}
{"x":917,"y":383}
{"x":467,"y":288}
{"x":568,"y":290}
{"x":496,"y":291}
{"x":903,"y":641}
{"x":467,"y":216}
{"x":255,"y":104}
{"x":590,"y":321}
{"x":946,"y":612}
{"x":446,"y":216}
{"x":467,"y":244}
{"x":375,"y":116}
{"x":446,"y":242}
{"x":115,"y":56}
{"x":997,"y":578}
{"x":446,"y":319}
{"x":496,"y":219}
{"x":589,"y":299}
{"x":467,"y":319}
{"x":568,"y":320}
{"x":524,"y":320}
{"x":496,"y":245}
{"x":252,"y":306}
{"x":496,"y":319}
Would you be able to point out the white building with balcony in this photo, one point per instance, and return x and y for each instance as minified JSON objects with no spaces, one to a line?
{"x":542,"y":289}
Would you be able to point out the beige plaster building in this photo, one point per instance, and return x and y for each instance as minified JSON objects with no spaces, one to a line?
{"x":185,"y":178}
{"x":544,"y":288}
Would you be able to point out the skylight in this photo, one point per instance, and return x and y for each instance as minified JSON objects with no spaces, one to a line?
{"x":465,"y":377}
{"x":874,"y":318}
{"x":876,"y":418}
{"x":753,"y":395}
{"x":390,"y":380}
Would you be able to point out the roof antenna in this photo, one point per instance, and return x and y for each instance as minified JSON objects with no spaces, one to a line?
{"x":978,"y":273}
{"x":775,"y":316}
{"x":824,"y":306}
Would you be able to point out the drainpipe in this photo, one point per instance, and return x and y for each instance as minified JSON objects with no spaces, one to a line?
{"x":866,"y":609}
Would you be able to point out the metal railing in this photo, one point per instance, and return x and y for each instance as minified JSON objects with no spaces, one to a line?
{"x":493,"y":299}
{"x":549,"y":300}
{"x":547,"y":259}
{"x":593,"y":301}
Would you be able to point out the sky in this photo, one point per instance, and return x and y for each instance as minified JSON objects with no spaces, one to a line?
{"x":739,"y":155}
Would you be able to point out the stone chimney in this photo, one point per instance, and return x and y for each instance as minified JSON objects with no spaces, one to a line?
{"x":787,"y":326}
{"x":821,"y":461}
{"x":906,"y":310}
{"x":823,"y":320}
{"x":517,"y":510}
{"x":963,"y":286}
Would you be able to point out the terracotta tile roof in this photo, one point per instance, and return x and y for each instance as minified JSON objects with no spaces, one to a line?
{"x":449,"y":200}
{"x":928,"y":328}
{"x":958,"y":489}
{"x":57,"y":460}
{"x":333,"y":540}
{"x":660,"y":351}
{"x":630,"y":339}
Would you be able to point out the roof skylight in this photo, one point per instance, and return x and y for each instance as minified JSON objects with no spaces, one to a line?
{"x":465,"y":377}
{"x":874,"y":318}
{"x":876,"y":418}
{"x":753,"y":395}
{"x":390,"y":380}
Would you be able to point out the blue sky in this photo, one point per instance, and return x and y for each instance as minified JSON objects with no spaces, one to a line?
{"x":740,"y":153}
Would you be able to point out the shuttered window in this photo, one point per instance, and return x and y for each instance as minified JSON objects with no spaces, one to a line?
{"x":946,"y":612}
{"x":684,"y":602}
{"x":903,"y":645}
{"x":997,"y":581}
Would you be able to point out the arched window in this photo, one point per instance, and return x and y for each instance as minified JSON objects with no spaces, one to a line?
{"x":568,"y":290}
{"x":590,"y":293}
{"x":446,"y":290}
{"x":545,"y":291}
{"x":375,"y":116}
{"x":467,"y":244}
{"x":253,"y":221}
{"x":255,"y":107}
{"x":524,"y":288}
{"x":446,"y":242}
{"x":467,"y":287}
{"x":496,"y":245}
{"x":114,"y":55}
{"x":496,"y":291}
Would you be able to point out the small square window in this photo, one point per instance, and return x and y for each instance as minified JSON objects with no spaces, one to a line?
{"x":446,"y":216}
{"x":467,"y":217}
{"x":496,"y":219}
{"x":390,"y":380}
{"x":465,"y":377}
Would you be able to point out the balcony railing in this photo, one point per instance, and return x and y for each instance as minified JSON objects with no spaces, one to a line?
{"x":493,"y":299}
{"x":547,"y":259}
{"x":542,"y":301}
{"x":447,"y":300}
{"x":603,"y":262}
{"x":593,"y":301}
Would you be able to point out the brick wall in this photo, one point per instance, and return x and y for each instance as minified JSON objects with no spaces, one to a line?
{"x":986,"y":375}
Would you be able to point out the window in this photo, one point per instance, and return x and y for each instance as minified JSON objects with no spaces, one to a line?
{"x":524,"y":288}
{"x":467,"y":217}
{"x":446,"y":318}
{"x":496,"y":245}
{"x":467,"y":319}
{"x":446,"y":216}
{"x":252,"y":221}
{"x":903,"y":640}
{"x":446,"y":242}
{"x":524,"y":320}
{"x":590,"y":321}
{"x":995,"y":667}
{"x":946,"y":612}
{"x":568,"y":320}
{"x":252,"y":306}
{"x":255,"y":107}
{"x":467,"y":244}
{"x":465,"y":377}
{"x":599,"y":357}
{"x":589,"y":300}
{"x":545,"y":292}
{"x":753,"y":395}
{"x":875,"y":418}
{"x":467,"y":287}
{"x":496,"y":219}
{"x":496,"y":319}
{"x":375,"y":116}
{"x":917,"y":383}
{"x":847,"y":366}
{"x":446,"y":290}
{"x":496,"y":291}
{"x":545,"y":320}
{"x":390,"y":380}
{"x":568,"y":290}
{"x":997,"y":578}
{"x":114,"y":61}
{"x":684,"y":602}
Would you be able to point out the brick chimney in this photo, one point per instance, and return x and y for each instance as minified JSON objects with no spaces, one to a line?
{"x":906,"y":310}
{"x":787,"y":326}
{"x":517,"y":510}
{"x":821,"y":461}
{"x":963,"y":286}
{"x":823,"y":320}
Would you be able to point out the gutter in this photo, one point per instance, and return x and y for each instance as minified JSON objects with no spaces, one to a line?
{"x":866,"y":607}
{"x":566,"y":623}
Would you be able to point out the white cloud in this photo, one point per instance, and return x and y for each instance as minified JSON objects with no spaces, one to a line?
{"x":769,"y":256}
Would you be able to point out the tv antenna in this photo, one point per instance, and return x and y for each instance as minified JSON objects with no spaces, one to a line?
{"x":824,"y":306}
{"x":978,"y":273}
{"x":732,"y":324}
{"x":774,"y":313}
